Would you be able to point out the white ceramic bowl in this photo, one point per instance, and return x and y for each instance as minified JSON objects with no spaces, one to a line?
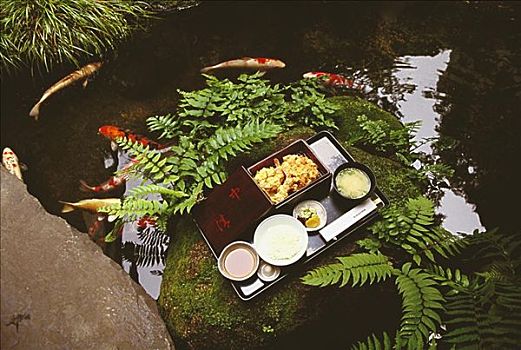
{"x":231,"y":247}
{"x":275,"y":246}
{"x":321,"y":212}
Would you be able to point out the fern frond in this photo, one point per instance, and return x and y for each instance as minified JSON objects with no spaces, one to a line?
{"x":169,"y":125}
{"x":412,"y":229}
{"x":145,"y":190}
{"x":497,"y":248}
{"x":354,"y":269}
{"x":374,"y":343}
{"x":370,"y":244}
{"x":188,"y":204}
{"x":227,"y":142}
{"x":151,"y":164}
{"x":134,"y":208}
{"x":452,"y":278}
{"x":420,"y":301}
{"x":485,"y":316}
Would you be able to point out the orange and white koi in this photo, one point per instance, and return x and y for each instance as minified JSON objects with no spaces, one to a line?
{"x":91,"y":205}
{"x":330,"y":79}
{"x":260,"y":64}
{"x":10,"y":162}
{"x":81,"y":74}
{"x":112,"y":183}
{"x":113,"y":132}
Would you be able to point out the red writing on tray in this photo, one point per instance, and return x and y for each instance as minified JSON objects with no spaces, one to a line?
{"x":222,"y":223}
{"x":234,"y":193}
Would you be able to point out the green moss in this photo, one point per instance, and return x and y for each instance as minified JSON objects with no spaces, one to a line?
{"x":200,"y":306}
{"x":351,"y":108}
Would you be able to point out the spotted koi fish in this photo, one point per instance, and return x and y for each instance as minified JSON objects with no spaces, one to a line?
{"x":113,"y":132}
{"x":10,"y":161}
{"x":330,"y":79}
{"x":112,"y":183}
{"x":260,"y":64}
{"x":81,"y":74}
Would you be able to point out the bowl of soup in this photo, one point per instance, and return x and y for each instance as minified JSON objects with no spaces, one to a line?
{"x":238,"y":261}
{"x":354,"y":181}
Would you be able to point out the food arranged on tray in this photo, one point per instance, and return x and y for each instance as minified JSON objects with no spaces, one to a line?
{"x":292,"y":194}
{"x":294,"y":173}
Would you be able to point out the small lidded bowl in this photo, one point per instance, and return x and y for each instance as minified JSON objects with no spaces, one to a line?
{"x":311,"y":214}
{"x":238,"y":261}
{"x":354,"y":181}
{"x":268,"y":272}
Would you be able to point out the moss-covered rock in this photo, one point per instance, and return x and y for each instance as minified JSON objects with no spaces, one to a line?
{"x":199,"y":305}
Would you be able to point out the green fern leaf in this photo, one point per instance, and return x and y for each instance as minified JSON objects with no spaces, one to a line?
{"x":420,"y":302}
{"x":354,"y":269}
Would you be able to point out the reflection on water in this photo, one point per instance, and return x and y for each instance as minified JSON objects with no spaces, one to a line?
{"x":424,"y":72}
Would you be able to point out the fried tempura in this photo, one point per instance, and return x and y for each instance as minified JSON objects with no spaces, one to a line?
{"x":295,"y":172}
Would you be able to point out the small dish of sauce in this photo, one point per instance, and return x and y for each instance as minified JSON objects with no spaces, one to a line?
{"x":238,"y":261}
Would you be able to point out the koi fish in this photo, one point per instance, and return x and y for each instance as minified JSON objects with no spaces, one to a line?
{"x":10,"y":161}
{"x":330,"y":79}
{"x":91,"y":205}
{"x":113,"y":132}
{"x":81,"y":74}
{"x":247,"y":62}
{"x":145,"y":222}
{"x":112,"y":183}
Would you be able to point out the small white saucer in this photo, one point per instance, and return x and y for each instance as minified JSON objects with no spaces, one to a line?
{"x":321,"y":212}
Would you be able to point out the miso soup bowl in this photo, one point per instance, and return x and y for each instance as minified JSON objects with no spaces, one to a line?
{"x":230,"y":248}
{"x":358,"y":166}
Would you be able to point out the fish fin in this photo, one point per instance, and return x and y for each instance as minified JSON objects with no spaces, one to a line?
{"x":111,"y":218}
{"x":113,"y":146}
{"x":85,"y":83}
{"x":85,"y":188}
{"x":67,"y":207}
{"x":207,"y":69}
{"x":35,"y":111}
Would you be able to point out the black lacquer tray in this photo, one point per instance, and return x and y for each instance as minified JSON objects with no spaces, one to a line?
{"x":342,"y":219}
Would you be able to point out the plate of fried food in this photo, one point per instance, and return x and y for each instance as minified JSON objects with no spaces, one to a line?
{"x":295,"y":172}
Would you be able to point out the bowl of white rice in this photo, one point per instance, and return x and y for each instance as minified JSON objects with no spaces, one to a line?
{"x":280,"y":240}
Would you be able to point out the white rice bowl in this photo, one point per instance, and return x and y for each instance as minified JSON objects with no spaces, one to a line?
{"x":280,"y":240}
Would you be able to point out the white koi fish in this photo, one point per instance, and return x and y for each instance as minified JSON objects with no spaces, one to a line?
{"x":260,"y":64}
{"x":10,"y":161}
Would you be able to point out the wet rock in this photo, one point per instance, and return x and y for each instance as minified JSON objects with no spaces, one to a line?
{"x":60,"y":291}
{"x":202,"y":310}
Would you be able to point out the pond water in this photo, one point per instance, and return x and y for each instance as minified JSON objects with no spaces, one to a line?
{"x":437,"y":63}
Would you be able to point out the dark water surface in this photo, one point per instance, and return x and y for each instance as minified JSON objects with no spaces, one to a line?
{"x":455,"y":66}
